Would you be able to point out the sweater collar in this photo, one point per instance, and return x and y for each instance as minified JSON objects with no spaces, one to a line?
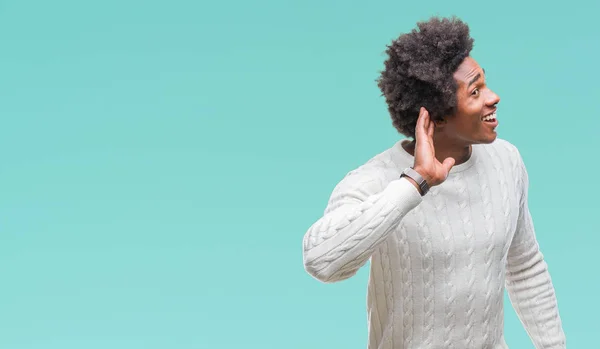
{"x":406,"y":156}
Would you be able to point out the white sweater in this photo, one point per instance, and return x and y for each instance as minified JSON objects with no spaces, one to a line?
{"x":439,"y":263}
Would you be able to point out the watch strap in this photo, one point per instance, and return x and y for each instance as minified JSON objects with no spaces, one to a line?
{"x":414,"y":175}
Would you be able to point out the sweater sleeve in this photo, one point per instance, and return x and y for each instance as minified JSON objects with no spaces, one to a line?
{"x":360,"y":214}
{"x":528,"y":281}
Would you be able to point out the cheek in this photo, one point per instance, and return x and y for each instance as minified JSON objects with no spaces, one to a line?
{"x":469,"y":125}
{"x":472,"y":122}
{"x":474,"y":117}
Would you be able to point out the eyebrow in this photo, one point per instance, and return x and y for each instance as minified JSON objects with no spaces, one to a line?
{"x":474,"y":79}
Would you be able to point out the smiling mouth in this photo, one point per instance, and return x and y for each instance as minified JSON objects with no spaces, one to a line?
{"x":491,"y":118}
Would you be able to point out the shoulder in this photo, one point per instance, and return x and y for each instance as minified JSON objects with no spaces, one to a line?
{"x":375,"y":171}
{"x":369,"y":178}
{"x":506,"y":148}
{"x":506,"y":152}
{"x":512,"y":161}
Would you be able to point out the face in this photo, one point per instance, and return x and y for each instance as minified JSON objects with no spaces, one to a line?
{"x":475,"y":119}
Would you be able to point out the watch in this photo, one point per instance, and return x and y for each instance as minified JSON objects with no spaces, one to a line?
{"x":410,"y":172}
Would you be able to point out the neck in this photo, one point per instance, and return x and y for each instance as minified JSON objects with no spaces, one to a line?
{"x":460,"y":153}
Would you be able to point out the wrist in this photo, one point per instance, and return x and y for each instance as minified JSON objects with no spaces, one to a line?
{"x":416,"y":179}
{"x":423,"y":174}
{"x":415,"y":184}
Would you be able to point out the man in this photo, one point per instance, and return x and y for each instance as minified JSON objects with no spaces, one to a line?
{"x":443,"y":217}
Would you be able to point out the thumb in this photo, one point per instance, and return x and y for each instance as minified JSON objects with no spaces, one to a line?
{"x":448,"y":163}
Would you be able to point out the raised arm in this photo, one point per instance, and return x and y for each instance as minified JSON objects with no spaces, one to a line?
{"x":528,"y":281}
{"x":357,"y":218}
{"x":363,"y":210}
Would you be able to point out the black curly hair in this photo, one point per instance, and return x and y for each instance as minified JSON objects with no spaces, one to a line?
{"x":419,"y":71}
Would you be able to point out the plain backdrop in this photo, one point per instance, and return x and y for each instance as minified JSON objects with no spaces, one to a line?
{"x":162,"y":160}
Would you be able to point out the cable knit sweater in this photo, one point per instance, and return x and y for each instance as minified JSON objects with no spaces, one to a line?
{"x":439,"y":263}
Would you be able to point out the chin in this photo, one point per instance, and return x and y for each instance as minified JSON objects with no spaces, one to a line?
{"x":490,"y":139}
{"x":487,"y":139}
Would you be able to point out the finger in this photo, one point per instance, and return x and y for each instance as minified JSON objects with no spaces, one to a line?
{"x":420,"y":131}
{"x":448,"y":164}
{"x":431,"y":129}
{"x":422,"y":123}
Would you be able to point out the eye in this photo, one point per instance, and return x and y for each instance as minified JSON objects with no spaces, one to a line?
{"x":475,"y":92}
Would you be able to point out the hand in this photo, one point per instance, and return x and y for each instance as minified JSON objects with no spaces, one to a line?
{"x":426,"y":164}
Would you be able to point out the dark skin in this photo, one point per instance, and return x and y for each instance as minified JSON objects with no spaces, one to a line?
{"x":440,"y":145}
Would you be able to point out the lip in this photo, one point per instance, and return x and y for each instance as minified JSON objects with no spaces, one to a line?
{"x":492,"y":124}
{"x":490,"y":113}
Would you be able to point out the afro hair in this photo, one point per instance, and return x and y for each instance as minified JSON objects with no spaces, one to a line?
{"x":419,"y":71}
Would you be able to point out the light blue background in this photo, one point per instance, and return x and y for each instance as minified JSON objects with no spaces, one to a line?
{"x":161,"y":161}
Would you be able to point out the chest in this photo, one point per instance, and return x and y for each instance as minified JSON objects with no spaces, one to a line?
{"x":463,"y":215}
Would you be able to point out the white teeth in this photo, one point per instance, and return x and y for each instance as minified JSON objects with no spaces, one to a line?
{"x":490,"y":117}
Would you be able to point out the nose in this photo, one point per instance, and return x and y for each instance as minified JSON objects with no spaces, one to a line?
{"x":493,"y":98}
